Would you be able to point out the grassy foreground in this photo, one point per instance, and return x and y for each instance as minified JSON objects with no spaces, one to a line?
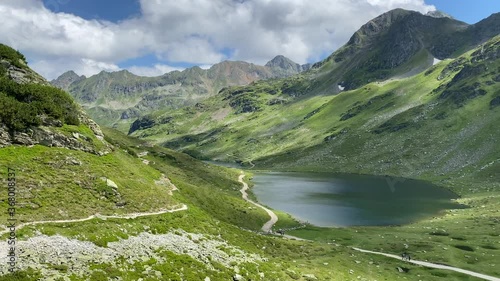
{"x":215,"y":210}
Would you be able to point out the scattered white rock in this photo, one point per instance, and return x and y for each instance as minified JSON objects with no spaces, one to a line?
{"x":110,"y":183}
{"x":310,"y":277}
{"x":41,"y":251}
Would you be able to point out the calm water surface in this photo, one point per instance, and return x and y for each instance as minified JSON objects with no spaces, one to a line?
{"x":348,"y":200}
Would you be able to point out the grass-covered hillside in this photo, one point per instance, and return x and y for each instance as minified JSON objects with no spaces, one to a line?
{"x":211,"y":238}
{"x":448,"y":112}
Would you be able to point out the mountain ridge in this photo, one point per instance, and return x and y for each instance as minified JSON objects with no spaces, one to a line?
{"x":112,"y":97}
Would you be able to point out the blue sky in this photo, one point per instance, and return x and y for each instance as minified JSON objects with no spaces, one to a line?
{"x":153,"y":37}
{"x":468,"y":11}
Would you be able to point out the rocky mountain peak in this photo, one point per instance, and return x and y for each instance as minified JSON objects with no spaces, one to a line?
{"x":284,"y":66}
{"x":66,"y":79}
{"x":282,"y":62}
{"x":379,"y":24}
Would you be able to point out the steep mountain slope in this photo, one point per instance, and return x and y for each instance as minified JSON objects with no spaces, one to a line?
{"x":399,"y":43}
{"x":53,"y":146}
{"x":445,"y":107}
{"x":122,"y":96}
{"x":394,"y":45}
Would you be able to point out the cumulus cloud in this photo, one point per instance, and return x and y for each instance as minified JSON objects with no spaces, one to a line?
{"x":188,"y":31}
{"x":156,"y":70}
{"x":56,"y":66}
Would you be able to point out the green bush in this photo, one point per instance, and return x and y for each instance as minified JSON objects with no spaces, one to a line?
{"x":3,"y":70}
{"x":23,"y":104}
{"x":12,"y":56}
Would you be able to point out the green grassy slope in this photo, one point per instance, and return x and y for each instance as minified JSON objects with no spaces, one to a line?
{"x":448,"y":111}
{"x":215,"y":210}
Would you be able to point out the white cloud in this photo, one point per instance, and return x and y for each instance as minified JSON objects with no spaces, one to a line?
{"x":54,"y":67}
{"x":156,"y":70}
{"x":191,"y":31}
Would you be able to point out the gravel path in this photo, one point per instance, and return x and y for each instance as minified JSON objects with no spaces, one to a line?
{"x":102,"y":217}
{"x":433,"y":265}
{"x":274,"y":218}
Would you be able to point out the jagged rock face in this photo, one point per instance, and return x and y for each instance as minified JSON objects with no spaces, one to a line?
{"x":400,"y":41}
{"x":142,"y":123}
{"x":283,"y":67}
{"x":46,"y":136}
{"x":22,"y":75}
{"x":67,"y":79}
{"x":123,"y":95}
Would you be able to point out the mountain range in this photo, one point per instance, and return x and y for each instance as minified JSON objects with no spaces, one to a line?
{"x":118,"y":98}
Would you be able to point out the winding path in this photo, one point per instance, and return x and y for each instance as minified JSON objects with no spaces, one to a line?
{"x":433,"y":265}
{"x":102,"y":217}
{"x":274,"y":218}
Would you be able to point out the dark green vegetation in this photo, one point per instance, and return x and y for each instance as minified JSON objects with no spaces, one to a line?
{"x":13,"y":56}
{"x":24,"y":105}
{"x":29,"y":104}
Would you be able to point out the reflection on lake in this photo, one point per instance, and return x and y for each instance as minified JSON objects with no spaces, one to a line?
{"x":348,"y":200}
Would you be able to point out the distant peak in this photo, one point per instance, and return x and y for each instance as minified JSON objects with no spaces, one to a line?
{"x":66,"y":79}
{"x":280,"y":61}
{"x":69,"y":74}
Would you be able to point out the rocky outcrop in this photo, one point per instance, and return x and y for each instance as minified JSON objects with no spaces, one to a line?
{"x":47,"y":130}
{"x":49,"y":137}
{"x":21,"y":75}
{"x":142,"y":123}
{"x":495,"y":102}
